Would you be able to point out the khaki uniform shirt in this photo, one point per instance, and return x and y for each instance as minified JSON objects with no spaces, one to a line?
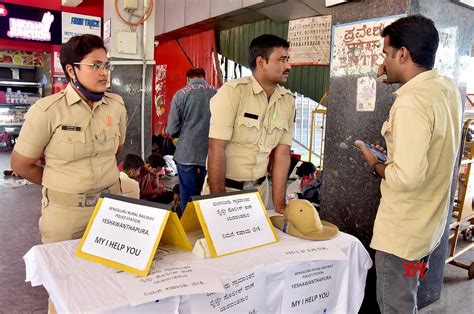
{"x":242,"y":114}
{"x":129,"y":187}
{"x":422,"y":134}
{"x":79,"y":144}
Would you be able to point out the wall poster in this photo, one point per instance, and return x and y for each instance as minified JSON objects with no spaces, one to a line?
{"x":446,"y":54}
{"x":160,"y":118}
{"x":310,"y":40}
{"x":357,"y":48}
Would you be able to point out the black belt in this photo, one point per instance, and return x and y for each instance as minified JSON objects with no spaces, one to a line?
{"x":239,"y":185}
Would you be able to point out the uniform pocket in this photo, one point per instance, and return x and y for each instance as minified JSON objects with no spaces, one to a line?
{"x":275,"y":131}
{"x":67,"y":145}
{"x":247,"y":130}
{"x":108,"y":140}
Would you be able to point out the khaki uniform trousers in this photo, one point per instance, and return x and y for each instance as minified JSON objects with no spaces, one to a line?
{"x":263,"y":189}
{"x":61,"y":221}
{"x":64,"y":216}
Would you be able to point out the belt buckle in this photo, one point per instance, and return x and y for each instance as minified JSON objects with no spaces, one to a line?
{"x":89,"y":200}
{"x":249,"y":184}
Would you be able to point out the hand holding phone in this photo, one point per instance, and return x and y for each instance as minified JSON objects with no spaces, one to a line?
{"x":381,"y":156}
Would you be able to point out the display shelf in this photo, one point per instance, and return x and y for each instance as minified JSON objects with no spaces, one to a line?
{"x":19,"y":83}
{"x":16,"y":98}
{"x":15,"y":66}
{"x":11,"y":124}
{"x":14,"y":105}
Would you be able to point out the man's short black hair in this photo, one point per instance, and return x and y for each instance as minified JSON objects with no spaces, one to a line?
{"x":262,"y":46}
{"x":195,"y":72}
{"x":76,"y":48}
{"x":418,"y":35}
{"x":156,"y":161}
{"x":132,"y":162}
{"x":305,"y":169}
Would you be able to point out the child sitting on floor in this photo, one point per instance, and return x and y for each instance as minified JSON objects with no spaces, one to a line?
{"x":132,"y":165}
{"x":150,"y":186}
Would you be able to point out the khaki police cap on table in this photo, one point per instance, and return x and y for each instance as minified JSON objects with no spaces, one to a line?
{"x":301,"y":219}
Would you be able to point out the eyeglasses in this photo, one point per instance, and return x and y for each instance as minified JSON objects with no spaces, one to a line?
{"x":97,"y":66}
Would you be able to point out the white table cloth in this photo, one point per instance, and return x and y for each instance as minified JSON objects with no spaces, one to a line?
{"x":78,"y":285}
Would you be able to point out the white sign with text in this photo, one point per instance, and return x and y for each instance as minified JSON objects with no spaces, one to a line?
{"x":306,"y":251}
{"x":78,"y":24}
{"x":357,"y":47}
{"x":237,"y":222}
{"x":244,"y":293}
{"x":311,"y":287}
{"x":125,"y":232}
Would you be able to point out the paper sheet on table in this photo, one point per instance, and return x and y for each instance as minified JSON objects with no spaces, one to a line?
{"x":83,"y":287}
{"x":305,"y":250}
{"x":244,"y":293}
{"x":172,"y":274}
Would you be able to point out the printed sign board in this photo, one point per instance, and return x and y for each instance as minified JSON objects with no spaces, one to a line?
{"x":124,"y":233}
{"x":79,"y":24}
{"x":231,"y":222}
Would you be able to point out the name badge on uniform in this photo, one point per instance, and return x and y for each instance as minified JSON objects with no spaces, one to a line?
{"x":251,"y":116}
{"x":70,"y":128}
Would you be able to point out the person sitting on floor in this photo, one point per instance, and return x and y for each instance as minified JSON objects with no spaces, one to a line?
{"x":132,"y":166}
{"x":308,"y":184}
{"x":151,"y":188}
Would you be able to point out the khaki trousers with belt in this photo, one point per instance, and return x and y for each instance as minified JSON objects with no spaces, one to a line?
{"x":63,"y":219}
{"x":61,"y":216}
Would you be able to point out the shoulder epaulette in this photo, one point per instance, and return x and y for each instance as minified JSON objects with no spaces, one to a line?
{"x":284,"y":91}
{"x":46,"y":102}
{"x":115,"y":97}
{"x":240,"y":81}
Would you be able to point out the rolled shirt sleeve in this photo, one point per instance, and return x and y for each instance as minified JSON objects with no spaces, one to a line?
{"x":34,"y":134}
{"x":223,"y":112}
{"x":411,"y":139}
{"x":287,"y":136}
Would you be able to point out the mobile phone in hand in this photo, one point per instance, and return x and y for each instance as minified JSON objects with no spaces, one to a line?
{"x":382,"y":157}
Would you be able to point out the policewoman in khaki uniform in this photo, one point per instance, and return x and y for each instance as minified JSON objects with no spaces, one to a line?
{"x":250,"y":118}
{"x":79,"y":131}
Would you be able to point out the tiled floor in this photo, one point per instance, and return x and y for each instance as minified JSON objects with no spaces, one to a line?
{"x":19,"y":214}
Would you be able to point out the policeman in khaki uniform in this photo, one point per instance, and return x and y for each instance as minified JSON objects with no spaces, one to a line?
{"x":250,"y":118}
{"x":79,"y":131}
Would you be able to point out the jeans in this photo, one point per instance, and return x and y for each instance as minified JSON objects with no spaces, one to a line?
{"x":397,"y":285}
{"x":191,"y":179}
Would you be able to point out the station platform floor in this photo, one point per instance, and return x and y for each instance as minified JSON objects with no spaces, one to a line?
{"x":19,"y":214}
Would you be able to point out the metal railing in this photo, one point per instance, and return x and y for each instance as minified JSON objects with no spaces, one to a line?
{"x":308,"y":135}
{"x":320,"y":128}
